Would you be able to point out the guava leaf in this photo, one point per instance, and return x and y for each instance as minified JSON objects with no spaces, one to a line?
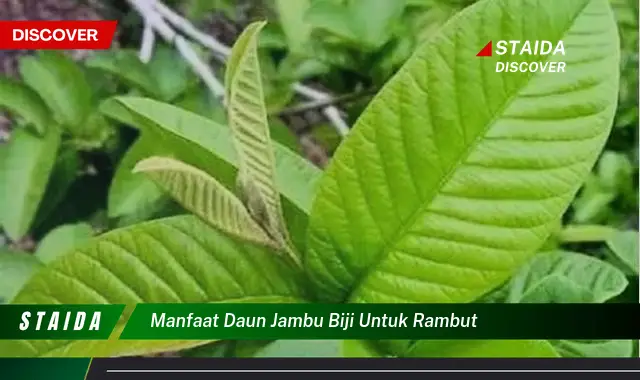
{"x":374,"y":20}
{"x":170,"y":72}
{"x":483,"y":349}
{"x":25,"y":103}
{"x":130,"y":193}
{"x":300,"y":348}
{"x":594,"y":348}
{"x":62,"y":240}
{"x":624,"y":246}
{"x":25,"y":166}
{"x":360,"y":349}
{"x":247,"y":118}
{"x":185,"y":131}
{"x":455,"y":174}
{"x":203,"y":195}
{"x":125,"y":65}
{"x":61,"y":84}
{"x":172,"y":260}
{"x":291,"y":15}
{"x":15,"y":270}
{"x":566,"y":277}
{"x":65,"y":171}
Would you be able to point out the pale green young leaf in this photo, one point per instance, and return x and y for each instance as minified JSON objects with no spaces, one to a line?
{"x":61,"y":84}
{"x":247,"y":118}
{"x":594,"y":348}
{"x":62,"y":240}
{"x":173,"y":260}
{"x":16,"y":268}
{"x":565,"y":277}
{"x":455,"y":174}
{"x":624,"y":246}
{"x":26,"y":162}
{"x":204,"y":196}
{"x":22,"y":101}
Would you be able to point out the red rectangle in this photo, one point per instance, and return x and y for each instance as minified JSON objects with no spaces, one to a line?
{"x":56,"y":35}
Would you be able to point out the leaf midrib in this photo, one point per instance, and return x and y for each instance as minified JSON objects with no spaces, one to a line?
{"x":464,"y":155}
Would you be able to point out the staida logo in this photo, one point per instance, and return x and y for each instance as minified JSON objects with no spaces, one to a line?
{"x":530,"y":48}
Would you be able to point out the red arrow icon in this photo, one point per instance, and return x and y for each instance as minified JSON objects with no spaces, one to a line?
{"x":486,"y":51}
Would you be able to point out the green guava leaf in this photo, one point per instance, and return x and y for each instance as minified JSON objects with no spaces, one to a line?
{"x":170,"y":72}
{"x":172,"y":260}
{"x":483,"y":349}
{"x":204,"y":196}
{"x":125,"y":65}
{"x":594,"y":348}
{"x":129,"y":193}
{"x":291,"y":16}
{"x":16,"y":268}
{"x":300,"y":349}
{"x":61,"y":240}
{"x":22,"y":101}
{"x":247,"y":118}
{"x":374,"y":20}
{"x":64,"y":173}
{"x":360,"y":349}
{"x":566,"y":277}
{"x":624,"y":246}
{"x":455,"y":174}
{"x":26,"y":163}
{"x":62,"y":85}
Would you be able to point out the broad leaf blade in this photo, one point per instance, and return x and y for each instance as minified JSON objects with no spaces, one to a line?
{"x":297,"y":31}
{"x":375,"y":20}
{"x":201,"y":194}
{"x":455,"y":174}
{"x":250,"y":131}
{"x":594,"y":349}
{"x":24,"y":102}
{"x":483,"y":349}
{"x":566,"y":277}
{"x":16,"y":268}
{"x":61,"y":83}
{"x":131,"y":194}
{"x":125,"y":65}
{"x":178,"y":259}
{"x":26,"y":163}
{"x":624,"y":246}
{"x":62,"y":240}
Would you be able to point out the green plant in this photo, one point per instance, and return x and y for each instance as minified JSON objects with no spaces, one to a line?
{"x":447,"y":186}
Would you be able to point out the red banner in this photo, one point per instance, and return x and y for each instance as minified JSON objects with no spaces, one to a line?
{"x":56,"y":35}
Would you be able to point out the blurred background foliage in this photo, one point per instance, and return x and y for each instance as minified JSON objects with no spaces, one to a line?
{"x":64,"y":188}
